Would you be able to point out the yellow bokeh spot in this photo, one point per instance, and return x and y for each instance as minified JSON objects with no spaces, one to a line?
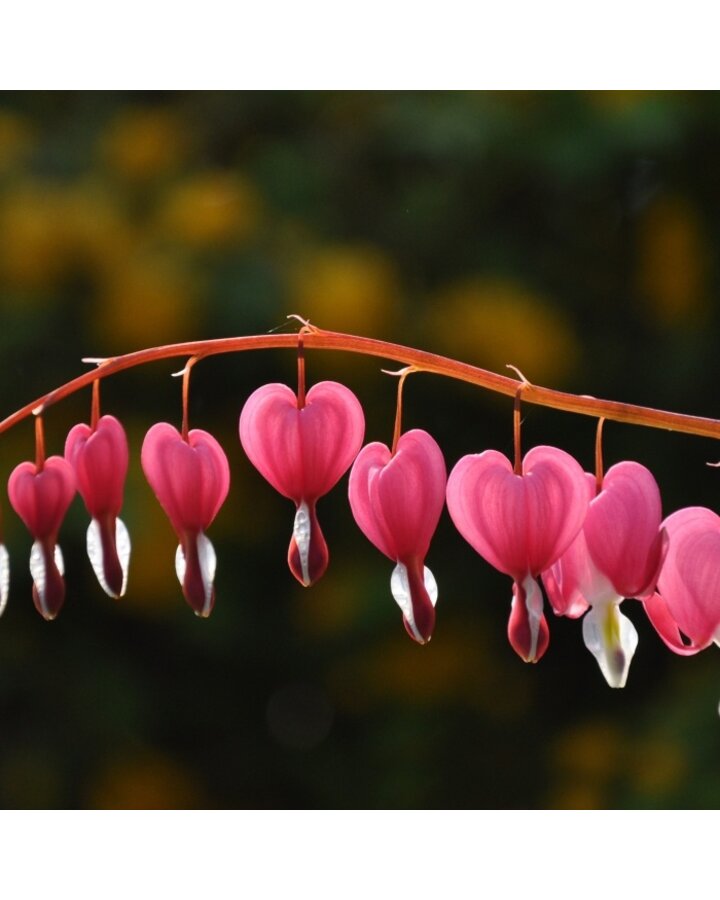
{"x":657,"y":766}
{"x":210,"y":208}
{"x":672,"y":262}
{"x":144,"y":143}
{"x":593,"y":750}
{"x":346,"y":288}
{"x":147,"y":781}
{"x":494,"y":322}
{"x":149,"y":299}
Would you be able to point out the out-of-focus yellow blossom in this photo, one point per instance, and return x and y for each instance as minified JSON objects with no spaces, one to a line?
{"x":16,"y":136}
{"x":656,"y":766}
{"x":149,"y":299}
{"x":494,"y":322}
{"x":210,"y":208}
{"x":147,"y":781}
{"x":144,"y":143}
{"x":617,"y":101}
{"x":672,"y":262}
{"x":592,"y":749}
{"x":347,"y":288}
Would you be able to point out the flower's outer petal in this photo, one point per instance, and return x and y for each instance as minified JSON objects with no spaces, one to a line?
{"x":622,"y":529}
{"x":572,"y":581}
{"x":689,"y":581}
{"x":368,"y":465}
{"x":556,"y":505}
{"x":42,"y":498}
{"x":486,"y":501}
{"x":612,"y":639}
{"x":190,"y":480}
{"x":528,"y":630}
{"x":304,"y":452}
{"x":666,"y":627}
{"x":100,"y":461}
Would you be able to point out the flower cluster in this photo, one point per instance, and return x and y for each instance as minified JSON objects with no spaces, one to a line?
{"x":591,"y":541}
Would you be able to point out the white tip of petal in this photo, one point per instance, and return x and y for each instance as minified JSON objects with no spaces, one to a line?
{"x":612,"y":639}
{"x":208,"y":564}
{"x":301,"y":533}
{"x":4,"y":577}
{"x":37,"y":568}
{"x":95,"y":554}
{"x":400,"y":588}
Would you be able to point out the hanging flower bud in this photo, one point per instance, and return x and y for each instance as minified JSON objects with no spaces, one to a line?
{"x":617,"y":554}
{"x":396,"y":500}
{"x":521,"y":524}
{"x":303,"y":451}
{"x":99,"y":457}
{"x":687,"y":601}
{"x":41,"y":497}
{"x":191,"y":480}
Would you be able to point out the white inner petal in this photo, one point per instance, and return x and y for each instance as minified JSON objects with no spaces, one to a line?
{"x":400,"y":588}
{"x":208,"y":564}
{"x":37,"y":569}
{"x":95,"y":553}
{"x":534,"y":606}
{"x":612,"y":639}
{"x":301,"y":533}
{"x":4,"y":577}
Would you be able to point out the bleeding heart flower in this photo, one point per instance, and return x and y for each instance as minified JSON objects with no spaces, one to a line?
{"x":618,"y":554}
{"x":303,"y":453}
{"x":100,"y":459}
{"x":688,"y":597}
{"x":397,"y":500}
{"x":521,"y":524}
{"x":41,"y":498}
{"x":191,"y":479}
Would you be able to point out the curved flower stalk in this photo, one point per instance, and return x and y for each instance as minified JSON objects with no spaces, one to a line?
{"x":191,"y":479}
{"x":618,"y":554}
{"x":521,"y":524}
{"x":303,"y":451}
{"x":99,"y":457}
{"x":396,"y":500}
{"x":41,"y":495}
{"x":687,"y":601}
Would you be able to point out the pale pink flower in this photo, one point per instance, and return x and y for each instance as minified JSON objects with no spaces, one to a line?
{"x":521,"y":524}
{"x":99,"y":457}
{"x":191,"y":479}
{"x":303,"y":452}
{"x":396,"y":500}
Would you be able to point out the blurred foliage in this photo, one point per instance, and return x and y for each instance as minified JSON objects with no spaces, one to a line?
{"x":570,"y":234}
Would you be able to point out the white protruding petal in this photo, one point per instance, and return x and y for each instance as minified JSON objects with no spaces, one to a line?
{"x":208,"y":564}
{"x":95,"y":553}
{"x":400,"y":589}
{"x":4,"y":577}
{"x":534,"y":606}
{"x":37,"y":568}
{"x":301,"y":533}
{"x":612,"y":639}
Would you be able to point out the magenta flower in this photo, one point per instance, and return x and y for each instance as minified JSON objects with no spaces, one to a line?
{"x":41,"y":498}
{"x":100,"y":459}
{"x":191,"y":479}
{"x":520,"y":524}
{"x":397,"y":500}
{"x":303,"y":452}
{"x":687,"y":601}
{"x":617,"y":554}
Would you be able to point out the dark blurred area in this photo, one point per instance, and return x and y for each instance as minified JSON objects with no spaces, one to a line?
{"x":570,"y":234}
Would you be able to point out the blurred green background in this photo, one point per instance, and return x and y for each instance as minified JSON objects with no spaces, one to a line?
{"x":571,"y":234}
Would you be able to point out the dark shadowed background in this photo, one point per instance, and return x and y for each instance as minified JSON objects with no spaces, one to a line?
{"x":571,"y":234}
